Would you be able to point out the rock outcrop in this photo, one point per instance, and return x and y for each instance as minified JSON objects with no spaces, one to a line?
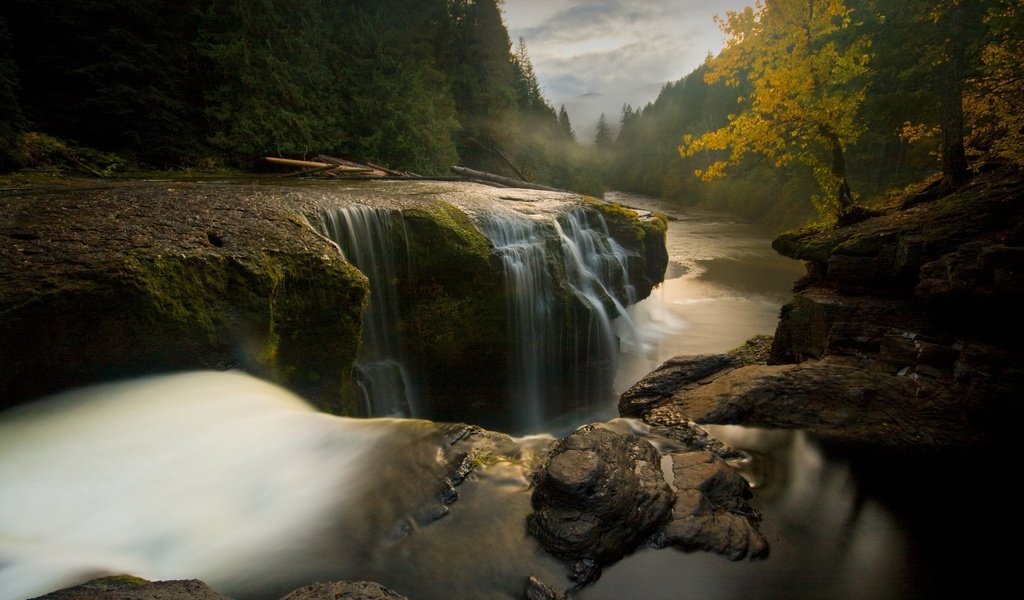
{"x":122,"y":280}
{"x":125,"y":587}
{"x":345,"y":590}
{"x":904,"y":331}
{"x":599,"y":496}
{"x":603,"y":493}
{"x":119,"y":279}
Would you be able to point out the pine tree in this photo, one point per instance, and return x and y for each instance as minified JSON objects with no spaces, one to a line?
{"x":565,"y":125}
{"x":483,"y":80}
{"x":11,"y":120}
{"x":603,"y":136}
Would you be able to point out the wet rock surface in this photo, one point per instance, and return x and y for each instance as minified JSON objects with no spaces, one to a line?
{"x":132,"y":588}
{"x":904,"y":332}
{"x":602,"y":494}
{"x":345,"y":590}
{"x":107,"y":280}
{"x":711,"y":511}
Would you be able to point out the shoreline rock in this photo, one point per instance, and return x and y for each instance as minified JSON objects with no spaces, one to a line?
{"x":904,"y":332}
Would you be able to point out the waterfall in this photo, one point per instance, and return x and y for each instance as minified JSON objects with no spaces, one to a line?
{"x":535,"y":358}
{"x":367,"y":237}
{"x":596,"y":268}
{"x":559,"y":350}
{"x":566,"y":286}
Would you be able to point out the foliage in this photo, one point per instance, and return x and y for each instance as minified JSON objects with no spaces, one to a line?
{"x":11,"y":119}
{"x":416,"y":85}
{"x":807,"y":77}
{"x":38,"y":150}
{"x":995,"y":100}
{"x":602,"y":134}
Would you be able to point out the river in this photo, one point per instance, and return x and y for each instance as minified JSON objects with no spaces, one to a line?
{"x":170,"y":477}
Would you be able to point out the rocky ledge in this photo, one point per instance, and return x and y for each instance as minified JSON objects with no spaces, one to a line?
{"x":905,"y":331}
{"x":101,"y":281}
{"x":132,"y":588}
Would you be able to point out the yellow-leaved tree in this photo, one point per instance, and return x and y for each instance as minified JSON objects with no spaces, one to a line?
{"x":995,"y":100}
{"x":807,"y":68}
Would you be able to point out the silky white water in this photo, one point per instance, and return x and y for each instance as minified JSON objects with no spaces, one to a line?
{"x":228,"y":479}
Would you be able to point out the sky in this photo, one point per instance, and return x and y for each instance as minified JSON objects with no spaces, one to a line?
{"x":619,"y":51}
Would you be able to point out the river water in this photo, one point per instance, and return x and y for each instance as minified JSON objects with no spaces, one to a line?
{"x":224,"y":478}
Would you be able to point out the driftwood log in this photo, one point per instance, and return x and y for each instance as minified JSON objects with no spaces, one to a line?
{"x":505,"y":181}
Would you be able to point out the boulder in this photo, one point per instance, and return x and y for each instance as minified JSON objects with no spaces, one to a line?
{"x":344,"y":590}
{"x":711,"y":512}
{"x":600,"y":495}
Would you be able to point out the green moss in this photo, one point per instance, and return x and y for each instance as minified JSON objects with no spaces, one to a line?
{"x":295,"y":318}
{"x":180,"y":287}
{"x":459,"y":229}
{"x":623,"y":223}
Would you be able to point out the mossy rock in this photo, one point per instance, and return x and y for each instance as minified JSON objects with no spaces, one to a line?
{"x":134,"y":279}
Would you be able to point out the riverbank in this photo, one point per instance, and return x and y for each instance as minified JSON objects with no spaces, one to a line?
{"x":904,"y":331}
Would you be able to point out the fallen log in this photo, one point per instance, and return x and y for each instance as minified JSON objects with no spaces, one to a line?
{"x":501,"y":180}
{"x":290,"y":162}
{"x":326,"y":166}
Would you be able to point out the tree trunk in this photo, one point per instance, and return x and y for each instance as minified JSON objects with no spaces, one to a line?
{"x":954,"y":157}
{"x":843,"y":194}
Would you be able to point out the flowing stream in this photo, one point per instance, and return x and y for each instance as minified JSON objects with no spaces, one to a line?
{"x":222,"y":477}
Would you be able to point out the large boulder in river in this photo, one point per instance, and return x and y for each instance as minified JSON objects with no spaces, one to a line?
{"x":603,"y":493}
{"x":600,"y":495}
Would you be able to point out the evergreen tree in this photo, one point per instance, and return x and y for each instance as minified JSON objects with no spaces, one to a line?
{"x":11,"y":120}
{"x":603,"y":135}
{"x":483,"y":81}
{"x":528,"y":93}
{"x":110,"y":74}
{"x":565,"y":125}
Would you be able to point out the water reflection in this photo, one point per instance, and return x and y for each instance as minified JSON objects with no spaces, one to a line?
{"x":724,"y":285}
{"x":843,"y":521}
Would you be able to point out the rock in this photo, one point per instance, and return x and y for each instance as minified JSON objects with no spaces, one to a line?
{"x":124,"y":587}
{"x":675,"y":374}
{"x":344,"y":590}
{"x":538,"y":590}
{"x":600,"y":495}
{"x":121,"y":279}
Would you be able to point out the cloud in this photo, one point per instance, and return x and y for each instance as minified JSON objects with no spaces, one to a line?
{"x":623,"y":50}
{"x":580,"y":46}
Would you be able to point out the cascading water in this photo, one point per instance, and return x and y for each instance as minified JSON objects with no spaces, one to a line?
{"x":596,"y":267}
{"x":550,"y":360}
{"x":225,"y":478}
{"x":535,"y":358}
{"x":366,"y":236}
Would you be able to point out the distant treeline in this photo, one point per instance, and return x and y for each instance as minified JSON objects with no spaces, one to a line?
{"x":919,"y":54}
{"x":418,"y":85}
